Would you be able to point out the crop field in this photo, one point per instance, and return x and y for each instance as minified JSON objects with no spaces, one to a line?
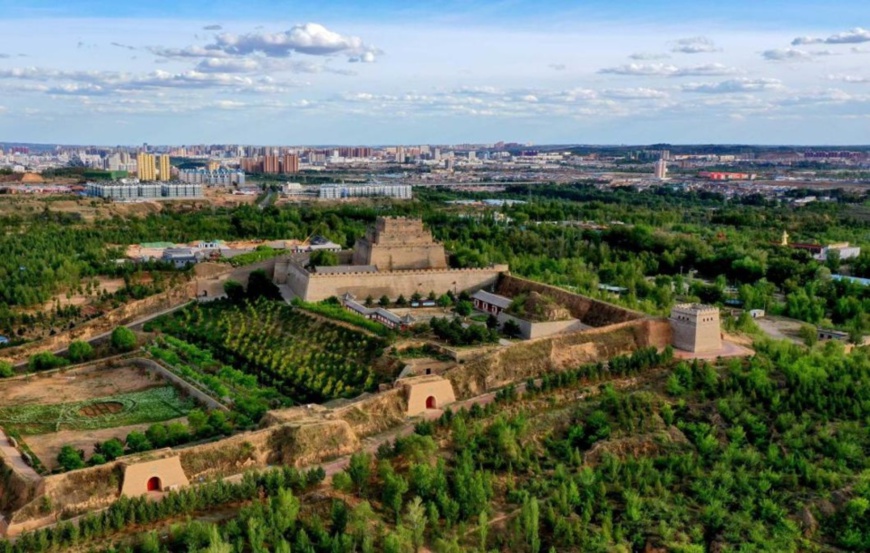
{"x":304,"y":358}
{"x":145,"y":406}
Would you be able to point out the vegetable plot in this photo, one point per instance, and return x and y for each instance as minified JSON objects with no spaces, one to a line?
{"x":152,"y":405}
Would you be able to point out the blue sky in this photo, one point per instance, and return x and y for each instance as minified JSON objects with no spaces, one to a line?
{"x":548,"y":71}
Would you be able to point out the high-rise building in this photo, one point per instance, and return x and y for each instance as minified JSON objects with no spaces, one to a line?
{"x":165,"y":173}
{"x":400,"y":155}
{"x":661,"y":169}
{"x":271,"y":164}
{"x":290,"y":164}
{"x":145,"y":167}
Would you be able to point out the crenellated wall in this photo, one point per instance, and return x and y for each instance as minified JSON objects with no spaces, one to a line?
{"x":392,"y":284}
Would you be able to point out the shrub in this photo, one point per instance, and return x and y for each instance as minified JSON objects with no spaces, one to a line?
{"x":79,"y":351}
{"x":123,"y":339}
{"x":111,"y":449}
{"x":44,"y":361}
{"x":70,"y":459}
{"x":234,"y":291}
{"x":6,"y":369}
{"x":341,"y":482}
{"x":464,"y":308}
{"x":137,"y":441}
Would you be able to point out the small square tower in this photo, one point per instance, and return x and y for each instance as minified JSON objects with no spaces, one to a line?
{"x":696,"y":328}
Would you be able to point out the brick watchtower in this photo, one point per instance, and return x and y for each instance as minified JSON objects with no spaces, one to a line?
{"x":696,"y":328}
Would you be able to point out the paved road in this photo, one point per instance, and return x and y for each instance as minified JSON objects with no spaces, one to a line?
{"x":266,"y":201}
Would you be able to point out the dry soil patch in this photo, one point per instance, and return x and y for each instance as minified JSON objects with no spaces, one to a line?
{"x":75,"y":385}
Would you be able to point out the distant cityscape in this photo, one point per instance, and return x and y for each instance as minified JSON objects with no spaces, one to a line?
{"x":129,"y":173}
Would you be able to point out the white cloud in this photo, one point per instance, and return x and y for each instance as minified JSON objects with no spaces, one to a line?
{"x":229,"y":104}
{"x":668,"y":70}
{"x":189,"y":52}
{"x":648,"y":56}
{"x":228,"y":65}
{"x":93,"y":83}
{"x":365,"y":57}
{"x":694,"y":45}
{"x":634,"y":94}
{"x":793,"y":54}
{"x":734,"y":85}
{"x":558,"y":66}
{"x":311,"y":38}
{"x":854,"y":36}
{"x":849,"y":78}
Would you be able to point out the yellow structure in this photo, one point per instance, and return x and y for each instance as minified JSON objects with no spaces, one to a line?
{"x":696,"y":328}
{"x":427,"y":392}
{"x":146,"y":168}
{"x":165,"y":169}
{"x":160,"y":475}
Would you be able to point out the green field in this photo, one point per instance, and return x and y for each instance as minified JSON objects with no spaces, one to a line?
{"x":152,"y":405}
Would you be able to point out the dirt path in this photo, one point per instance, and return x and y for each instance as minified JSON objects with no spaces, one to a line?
{"x":13,"y":457}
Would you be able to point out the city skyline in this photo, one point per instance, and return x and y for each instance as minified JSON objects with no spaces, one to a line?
{"x":91,"y":72}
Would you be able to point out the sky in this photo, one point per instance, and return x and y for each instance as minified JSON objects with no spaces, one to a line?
{"x":379,"y":72}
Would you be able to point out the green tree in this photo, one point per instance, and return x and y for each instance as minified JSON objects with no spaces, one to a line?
{"x":70,"y":459}
{"x":79,"y":351}
{"x":137,"y":441}
{"x":123,"y":339}
{"x":415,"y":518}
{"x":260,"y":285}
{"x":359,"y":471}
{"x":234,"y":291}
{"x":384,"y":301}
{"x":809,"y":335}
{"x":44,"y":361}
{"x":323,"y":258}
{"x":6,"y":369}
{"x":464,"y":308}
{"x":111,"y":449}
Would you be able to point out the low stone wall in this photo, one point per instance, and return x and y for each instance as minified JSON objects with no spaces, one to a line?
{"x":556,"y":353}
{"x":533,"y":330}
{"x":591,"y":312}
{"x":200,"y":395}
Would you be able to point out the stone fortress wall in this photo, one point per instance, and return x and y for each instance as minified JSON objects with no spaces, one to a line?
{"x":408,"y":261}
{"x":318,"y":287}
